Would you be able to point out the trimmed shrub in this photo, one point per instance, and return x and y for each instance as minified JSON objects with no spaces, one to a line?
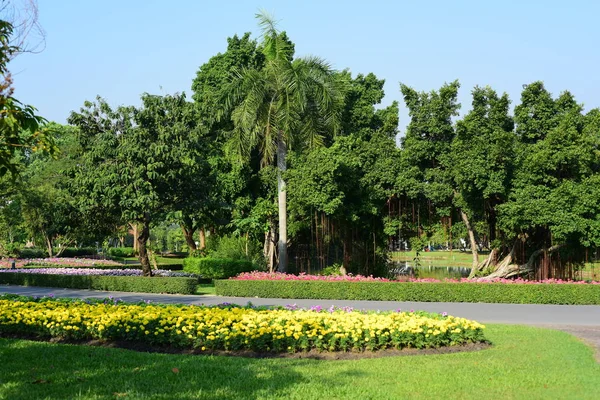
{"x":32,"y":253}
{"x":121,"y":252}
{"x":79,"y":252}
{"x":112,"y":283}
{"x":414,"y":291}
{"x":214,"y":268}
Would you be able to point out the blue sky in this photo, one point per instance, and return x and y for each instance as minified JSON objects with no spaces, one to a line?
{"x":121,"y":49}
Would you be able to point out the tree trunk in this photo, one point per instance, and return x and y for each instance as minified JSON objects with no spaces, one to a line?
{"x":202,"y":237}
{"x":142,"y":240}
{"x":282,"y":200}
{"x":465,"y":219}
{"x":507,"y":269}
{"x":269,"y":248}
{"x":491,"y":260}
{"x":187,"y":226}
{"x":49,"y":245}
{"x":134,"y":226}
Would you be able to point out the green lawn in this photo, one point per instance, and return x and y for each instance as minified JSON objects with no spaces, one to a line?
{"x":206,"y":288}
{"x":438,"y":258}
{"x":525,"y":363}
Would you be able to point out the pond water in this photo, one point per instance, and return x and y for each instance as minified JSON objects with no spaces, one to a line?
{"x":427,"y":271}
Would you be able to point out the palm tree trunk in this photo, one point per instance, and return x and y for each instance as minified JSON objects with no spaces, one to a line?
{"x":281,"y":168}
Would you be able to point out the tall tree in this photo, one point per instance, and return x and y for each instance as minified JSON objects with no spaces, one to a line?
{"x":138,"y":163}
{"x":288,"y":103}
{"x":425,"y":179}
{"x":481,"y":161}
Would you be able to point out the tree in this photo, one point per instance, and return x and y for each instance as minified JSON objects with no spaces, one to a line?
{"x":288,"y":103}
{"x":551,"y":213}
{"x":21,"y":130}
{"x":138,"y":162}
{"x":426,"y":180}
{"x":481,"y":161}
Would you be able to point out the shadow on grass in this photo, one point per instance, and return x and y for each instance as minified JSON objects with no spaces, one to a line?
{"x":36,"y":370}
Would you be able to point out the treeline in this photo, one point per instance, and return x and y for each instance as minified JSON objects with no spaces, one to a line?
{"x":298,"y":164}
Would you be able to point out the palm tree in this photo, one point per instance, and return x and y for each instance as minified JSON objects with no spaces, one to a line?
{"x":289,"y":102}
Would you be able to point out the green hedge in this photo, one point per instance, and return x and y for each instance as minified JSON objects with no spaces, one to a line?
{"x":78,"y":252}
{"x":32,"y":253}
{"x":114,"y":283}
{"x":214,"y":268}
{"x":413,"y":291}
{"x":121,"y":252}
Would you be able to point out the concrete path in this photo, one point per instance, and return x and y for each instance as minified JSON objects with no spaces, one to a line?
{"x":529,"y":314}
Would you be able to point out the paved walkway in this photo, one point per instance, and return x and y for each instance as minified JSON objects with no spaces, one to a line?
{"x":529,"y":314}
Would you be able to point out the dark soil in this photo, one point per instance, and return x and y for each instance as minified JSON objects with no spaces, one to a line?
{"x":313,"y":354}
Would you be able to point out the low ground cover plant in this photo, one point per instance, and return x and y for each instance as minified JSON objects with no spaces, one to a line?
{"x":230,"y":327}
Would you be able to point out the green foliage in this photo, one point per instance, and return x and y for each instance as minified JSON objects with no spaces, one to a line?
{"x":21,"y":130}
{"x":213,"y":268}
{"x":110,"y":283}
{"x":32,"y":253}
{"x":415,"y":291}
{"x":79,"y":252}
{"x":233,"y":247}
{"x":121,"y":252}
{"x":332,"y":270}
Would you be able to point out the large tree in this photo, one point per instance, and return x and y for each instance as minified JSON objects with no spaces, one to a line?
{"x":138,"y":163}
{"x":288,"y":103}
{"x":481,"y":161}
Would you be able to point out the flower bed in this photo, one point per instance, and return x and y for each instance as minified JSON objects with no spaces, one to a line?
{"x":235,"y":328}
{"x":279,"y":276}
{"x":96,"y":272}
{"x":426,"y":291}
{"x":59,"y":262}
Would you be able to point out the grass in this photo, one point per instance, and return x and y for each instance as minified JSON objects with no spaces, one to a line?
{"x":206,"y":288}
{"x":525,"y":363}
{"x":455,"y":258}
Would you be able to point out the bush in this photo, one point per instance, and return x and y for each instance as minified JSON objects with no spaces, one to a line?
{"x":121,"y":252}
{"x":236,"y":328}
{"x":415,"y":291}
{"x":233,"y":247}
{"x":79,"y":252}
{"x":113,"y":283}
{"x":212,"y":268}
{"x":32,"y":253}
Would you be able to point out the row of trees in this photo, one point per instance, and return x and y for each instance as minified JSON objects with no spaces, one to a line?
{"x":289,"y":153}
